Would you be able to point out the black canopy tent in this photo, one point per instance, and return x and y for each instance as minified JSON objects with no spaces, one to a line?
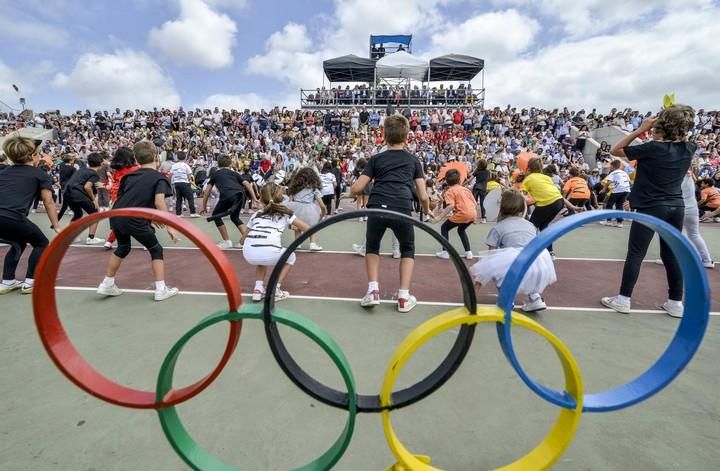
{"x":350,"y":68}
{"x":454,"y":67}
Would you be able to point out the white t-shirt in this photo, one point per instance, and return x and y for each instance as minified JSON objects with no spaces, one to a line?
{"x":688,"y":190}
{"x":180,"y":172}
{"x":328,"y":182}
{"x":267,"y":231}
{"x":619,"y":181}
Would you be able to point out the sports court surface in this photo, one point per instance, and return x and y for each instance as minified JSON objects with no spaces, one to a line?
{"x":253,"y":417}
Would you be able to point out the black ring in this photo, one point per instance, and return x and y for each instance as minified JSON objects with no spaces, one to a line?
{"x":368,"y":403}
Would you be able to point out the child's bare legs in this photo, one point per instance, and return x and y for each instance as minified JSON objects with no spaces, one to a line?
{"x":223,"y":232}
{"x":284,"y":273}
{"x":91,"y":230}
{"x":113,"y":266}
{"x":372,"y":266}
{"x":407,"y":266}
{"x":260,"y":272}
{"x":244,"y":231}
{"x":158,"y":269}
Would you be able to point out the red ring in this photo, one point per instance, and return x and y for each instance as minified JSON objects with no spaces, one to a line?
{"x":63,"y":352}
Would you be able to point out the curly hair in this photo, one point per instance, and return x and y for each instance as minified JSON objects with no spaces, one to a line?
{"x":305,"y":177}
{"x":675,"y":122}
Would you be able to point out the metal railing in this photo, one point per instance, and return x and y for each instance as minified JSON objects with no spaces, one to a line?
{"x":340,"y":98}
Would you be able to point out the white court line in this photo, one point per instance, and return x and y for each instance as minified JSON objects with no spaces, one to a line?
{"x":386,"y":301}
{"x":349,"y":252}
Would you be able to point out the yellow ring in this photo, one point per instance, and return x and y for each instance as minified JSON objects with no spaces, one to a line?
{"x":548,"y":450}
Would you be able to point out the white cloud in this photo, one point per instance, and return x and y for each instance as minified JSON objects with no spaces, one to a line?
{"x":228,"y":4}
{"x":242,"y":101}
{"x":630,"y":68}
{"x":492,"y":36}
{"x":125,"y":79}
{"x":31,"y":32}
{"x":200,"y":36}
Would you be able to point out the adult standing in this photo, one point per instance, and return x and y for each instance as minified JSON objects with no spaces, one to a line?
{"x":181,"y":174}
{"x":661,"y":167}
{"x":479,"y":189}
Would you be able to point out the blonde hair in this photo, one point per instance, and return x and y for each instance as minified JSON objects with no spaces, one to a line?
{"x":145,"y":152}
{"x":396,"y":129}
{"x":271,"y":196}
{"x":20,"y":150}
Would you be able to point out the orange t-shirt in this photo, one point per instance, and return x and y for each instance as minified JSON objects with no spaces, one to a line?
{"x":454,"y":165}
{"x":578,"y":188}
{"x":463,"y":202}
{"x":711,"y":196}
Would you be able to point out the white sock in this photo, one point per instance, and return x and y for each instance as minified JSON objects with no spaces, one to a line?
{"x":29,"y":281}
{"x":623,"y":299}
{"x":404,"y":293}
{"x":108,"y":281}
{"x":373,"y":286}
{"x":278,"y":287}
{"x":8,"y":282}
{"x":160,"y":285}
{"x":259,"y":285}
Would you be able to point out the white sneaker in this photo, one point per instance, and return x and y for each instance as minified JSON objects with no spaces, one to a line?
{"x":361,"y":219}
{"x":716,"y":219}
{"x":552,"y":256}
{"x":709,"y":264}
{"x":607,"y":223}
{"x":94,"y":241}
{"x":315,"y":247}
{"x":469,"y":255}
{"x":396,"y":253}
{"x":194,"y":216}
{"x":483,"y":221}
{"x":616,"y":305}
{"x":26,"y":289}
{"x":534,"y":306}
{"x":370,"y":299}
{"x":442,"y":254}
{"x":225,"y":244}
{"x":673,"y":308}
{"x":108,"y":245}
{"x":258,"y":295}
{"x":619,"y":225}
{"x":7,"y":288}
{"x":406,"y":304}
{"x":359,"y":249}
{"x":166,"y":293}
{"x":281,"y":295}
{"x":109,"y":290}
{"x":659,"y":262}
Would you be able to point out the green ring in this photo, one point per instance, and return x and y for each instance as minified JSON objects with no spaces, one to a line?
{"x":199,"y":459}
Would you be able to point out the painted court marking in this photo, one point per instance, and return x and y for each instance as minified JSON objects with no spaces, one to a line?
{"x":355,"y":300}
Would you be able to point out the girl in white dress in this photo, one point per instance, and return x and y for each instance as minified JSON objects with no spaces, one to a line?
{"x":305,"y":200}
{"x":505,"y":241}
{"x":263,"y":244}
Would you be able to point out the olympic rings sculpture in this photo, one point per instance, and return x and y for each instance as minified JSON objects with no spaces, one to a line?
{"x":573,"y":401}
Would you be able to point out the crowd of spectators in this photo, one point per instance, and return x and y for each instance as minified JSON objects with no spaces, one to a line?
{"x":261,"y":142}
{"x":397,"y":95}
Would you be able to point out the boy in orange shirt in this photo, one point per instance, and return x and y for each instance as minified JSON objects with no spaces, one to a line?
{"x":460,"y":201}
{"x":576,"y":189}
{"x":709,"y":196}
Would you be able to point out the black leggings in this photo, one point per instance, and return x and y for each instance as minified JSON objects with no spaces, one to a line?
{"x":479,"y":196}
{"x":141,"y":230}
{"x":327,"y":201}
{"x":18,"y":233}
{"x":184,"y":191}
{"x":638,"y":243}
{"x":448,"y":225}
{"x":80,"y":205}
{"x":542,"y":216}
{"x":233,"y":206}
{"x":616,"y":201}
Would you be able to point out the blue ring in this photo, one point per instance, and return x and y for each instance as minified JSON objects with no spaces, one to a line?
{"x":677,"y":355}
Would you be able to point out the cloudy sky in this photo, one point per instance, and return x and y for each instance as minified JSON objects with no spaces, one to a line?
{"x":73,"y":54}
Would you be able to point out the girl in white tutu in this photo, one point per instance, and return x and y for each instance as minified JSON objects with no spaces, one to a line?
{"x":505,"y":241}
{"x":305,"y":200}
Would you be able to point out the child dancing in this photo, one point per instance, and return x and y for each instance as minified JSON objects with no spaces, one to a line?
{"x":462,"y":204}
{"x":505,"y":241}
{"x":306,"y":201}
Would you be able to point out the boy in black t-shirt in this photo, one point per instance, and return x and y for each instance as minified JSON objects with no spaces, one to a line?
{"x":20,"y":185}
{"x":232,"y":187}
{"x":81,"y":192}
{"x":143,"y":188}
{"x":394,"y":174}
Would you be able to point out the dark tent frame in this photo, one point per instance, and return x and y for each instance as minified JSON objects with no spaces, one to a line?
{"x":350,"y":68}
{"x":455,"y":67}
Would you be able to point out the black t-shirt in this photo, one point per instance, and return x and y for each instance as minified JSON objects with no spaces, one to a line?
{"x":20,"y":185}
{"x":66,"y":172}
{"x":364,"y":117}
{"x":481,"y":179}
{"x":393,"y":173}
{"x":3,"y":166}
{"x":228,"y":183}
{"x":138,"y":189}
{"x":661,"y":167}
{"x":75,"y":188}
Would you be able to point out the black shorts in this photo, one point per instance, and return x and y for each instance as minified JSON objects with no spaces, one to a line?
{"x":229,"y":206}
{"x":404,"y":231}
{"x":140,"y":230}
{"x":78,"y":205}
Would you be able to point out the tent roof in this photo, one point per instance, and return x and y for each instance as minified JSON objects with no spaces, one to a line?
{"x":455,"y":67}
{"x":350,"y":68}
{"x":402,"y":65}
{"x":391,"y":38}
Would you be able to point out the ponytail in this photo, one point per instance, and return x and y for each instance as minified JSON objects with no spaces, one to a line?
{"x":271,"y":195}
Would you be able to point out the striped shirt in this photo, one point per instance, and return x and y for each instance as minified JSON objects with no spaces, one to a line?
{"x":266,"y":230}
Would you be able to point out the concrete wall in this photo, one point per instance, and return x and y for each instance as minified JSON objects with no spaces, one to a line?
{"x":32,"y":133}
{"x":612,"y":135}
{"x":591,"y":146}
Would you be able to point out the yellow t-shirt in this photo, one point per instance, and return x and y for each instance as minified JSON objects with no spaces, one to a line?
{"x":542,"y":189}
{"x":492,"y":185}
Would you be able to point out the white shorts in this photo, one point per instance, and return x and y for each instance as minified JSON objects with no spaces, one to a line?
{"x":265,"y":256}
